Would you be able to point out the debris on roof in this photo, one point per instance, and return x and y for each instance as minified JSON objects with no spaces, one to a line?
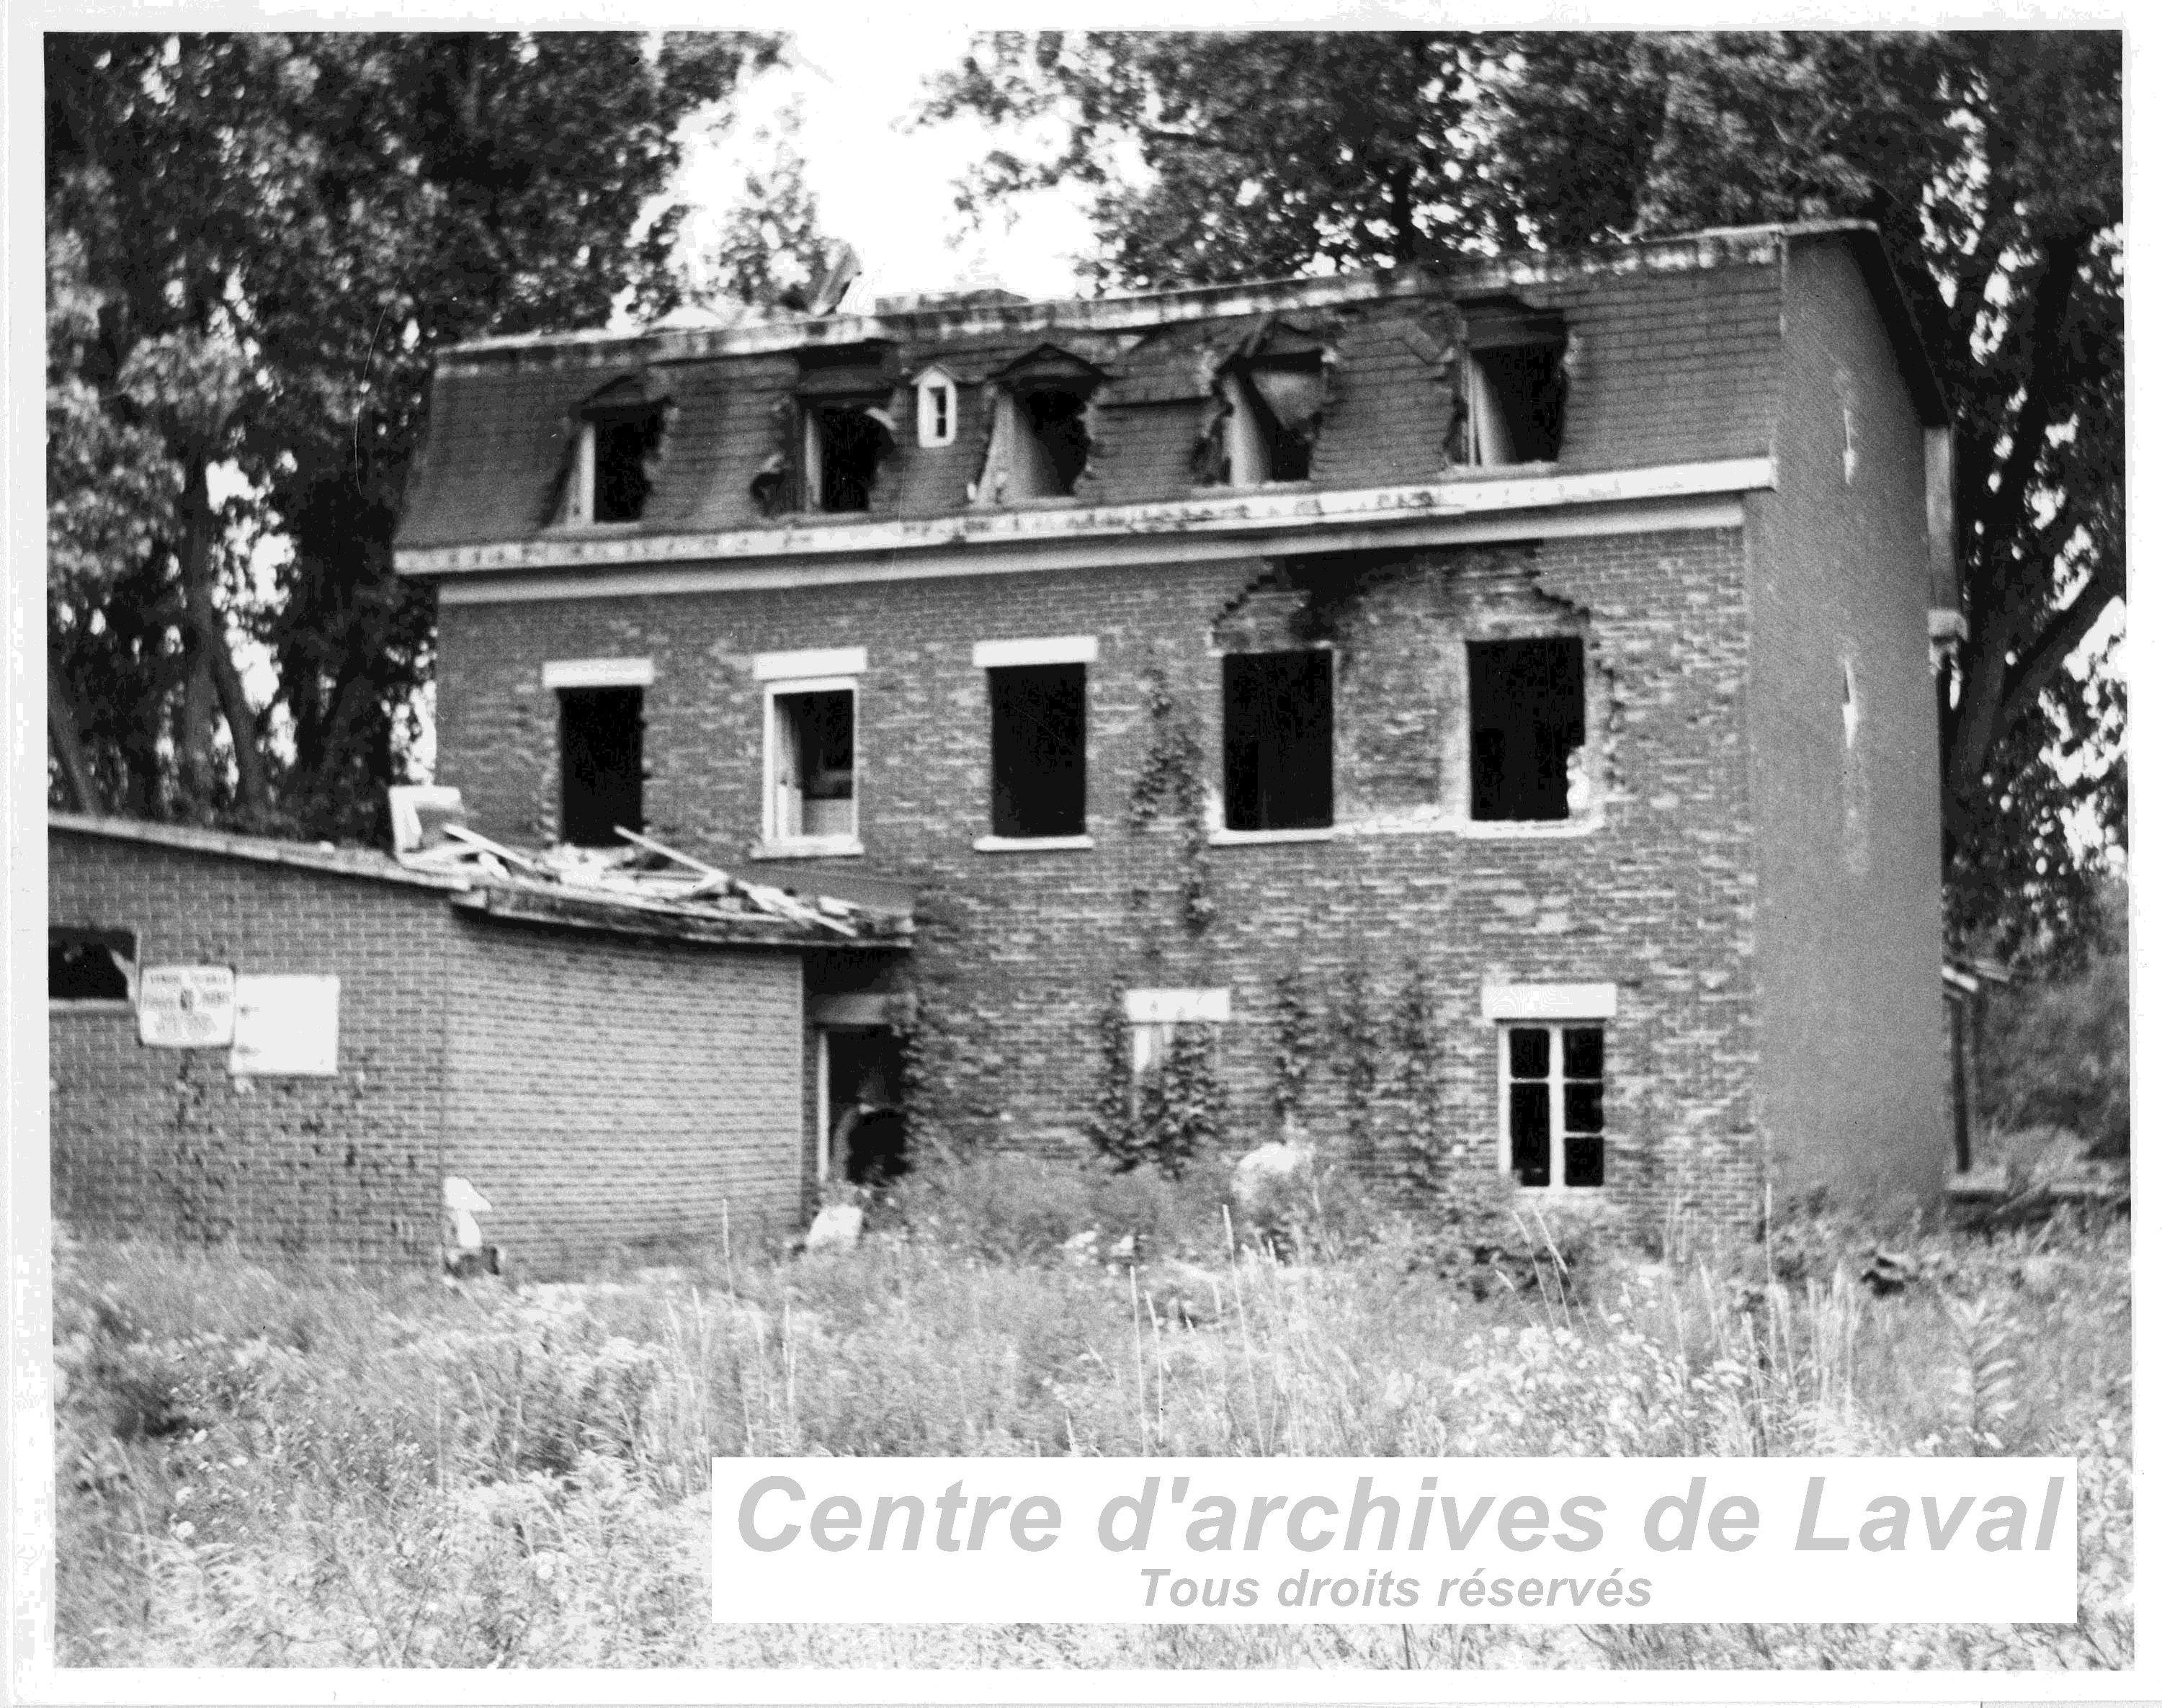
{"x":640,"y":873}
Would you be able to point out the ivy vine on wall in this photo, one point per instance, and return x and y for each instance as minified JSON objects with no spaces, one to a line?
{"x":1170,"y":787}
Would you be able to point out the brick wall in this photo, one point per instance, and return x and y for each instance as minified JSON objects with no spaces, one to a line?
{"x":1018,"y":953}
{"x":1855,"y":1077}
{"x":607,"y":1095}
{"x":165,"y":1143}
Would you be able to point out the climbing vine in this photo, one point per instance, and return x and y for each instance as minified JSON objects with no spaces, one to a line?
{"x":1295,"y":1028}
{"x":1170,"y":787}
{"x":1419,"y":1081}
{"x":1357,"y":1041}
{"x":1171,"y":1112}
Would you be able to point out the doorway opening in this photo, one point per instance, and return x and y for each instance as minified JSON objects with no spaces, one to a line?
{"x":860,"y":1083}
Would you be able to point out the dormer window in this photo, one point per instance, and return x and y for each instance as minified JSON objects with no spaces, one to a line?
{"x":1515,"y":383}
{"x":937,"y":408}
{"x":843,"y":446}
{"x":616,"y":454}
{"x":847,"y":427}
{"x":1040,"y":437}
{"x":1272,"y":393}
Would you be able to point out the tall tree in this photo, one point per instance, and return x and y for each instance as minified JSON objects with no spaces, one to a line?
{"x":268,"y":238}
{"x":1990,"y":161}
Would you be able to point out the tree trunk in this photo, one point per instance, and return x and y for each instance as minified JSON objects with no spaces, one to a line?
{"x":213,"y":679}
{"x":64,"y":731}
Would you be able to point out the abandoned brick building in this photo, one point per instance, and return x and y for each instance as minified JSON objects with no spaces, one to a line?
{"x":1490,"y":707}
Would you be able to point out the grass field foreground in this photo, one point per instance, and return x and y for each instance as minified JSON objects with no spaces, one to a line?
{"x":305,"y":1467}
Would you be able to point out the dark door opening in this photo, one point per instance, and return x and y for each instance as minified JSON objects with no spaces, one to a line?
{"x":604,"y":739}
{"x":867,"y":1135}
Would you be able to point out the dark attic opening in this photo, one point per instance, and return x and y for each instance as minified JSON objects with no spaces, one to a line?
{"x":1527,"y":720}
{"x":1057,"y":431}
{"x":1039,"y":748}
{"x":1040,"y":434}
{"x":622,"y":430}
{"x":604,"y":748}
{"x":1279,"y":740}
{"x":851,"y":439}
{"x":1274,"y":394}
{"x":1516,"y":384}
{"x":87,"y":965}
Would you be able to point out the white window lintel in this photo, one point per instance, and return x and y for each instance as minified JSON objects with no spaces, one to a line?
{"x":1547,"y":1001}
{"x":1174,"y":1007}
{"x":596,"y":673}
{"x":813,"y":661}
{"x":1057,"y":649}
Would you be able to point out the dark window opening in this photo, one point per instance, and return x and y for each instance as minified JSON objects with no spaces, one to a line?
{"x":1277,"y":410}
{"x":1055,"y":424}
{"x":625,"y":448}
{"x":1527,"y":720}
{"x":1516,"y":384}
{"x":868,"y":1139}
{"x":604,"y":742}
{"x":1557,"y":1075}
{"x":1279,"y":741}
{"x":1039,"y":750}
{"x":88,"y":966}
{"x":851,"y":441}
{"x":814,"y":742}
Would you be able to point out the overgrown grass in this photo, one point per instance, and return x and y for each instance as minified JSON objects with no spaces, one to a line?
{"x":301,"y":1467}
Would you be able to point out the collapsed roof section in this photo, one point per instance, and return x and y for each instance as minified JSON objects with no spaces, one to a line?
{"x":642,"y":889}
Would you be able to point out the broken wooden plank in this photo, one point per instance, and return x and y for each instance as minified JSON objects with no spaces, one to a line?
{"x":509,"y":856}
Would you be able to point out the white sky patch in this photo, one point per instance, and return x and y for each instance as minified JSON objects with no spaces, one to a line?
{"x":881,"y":185}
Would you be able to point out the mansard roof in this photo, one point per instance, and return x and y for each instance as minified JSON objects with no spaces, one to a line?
{"x":1674,"y":347}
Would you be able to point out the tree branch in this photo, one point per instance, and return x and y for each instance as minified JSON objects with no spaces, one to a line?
{"x":2031,"y":672}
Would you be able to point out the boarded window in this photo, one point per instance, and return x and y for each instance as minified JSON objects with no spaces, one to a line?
{"x":88,"y":965}
{"x":1039,"y":750}
{"x":603,"y":744}
{"x":1556,"y":1113}
{"x":814,"y":764}
{"x":1279,"y":741}
{"x":1527,"y":721}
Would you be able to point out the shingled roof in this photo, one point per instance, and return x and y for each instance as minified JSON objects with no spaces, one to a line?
{"x":505,"y":413}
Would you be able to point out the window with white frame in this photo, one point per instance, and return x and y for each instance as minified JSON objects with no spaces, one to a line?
{"x":1552,"y":1060}
{"x":811,"y":752}
{"x":1038,"y":692}
{"x":937,"y":408}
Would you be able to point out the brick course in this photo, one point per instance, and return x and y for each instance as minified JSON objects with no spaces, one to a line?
{"x":605,"y":1093}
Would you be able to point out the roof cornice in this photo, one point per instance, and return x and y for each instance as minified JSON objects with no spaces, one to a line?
{"x":1250,"y":524}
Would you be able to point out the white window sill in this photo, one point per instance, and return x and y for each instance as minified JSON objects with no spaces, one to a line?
{"x":808,"y":848}
{"x":1241,"y":839}
{"x":1526,"y":829}
{"x":1032,"y":844}
{"x":89,"y":1004}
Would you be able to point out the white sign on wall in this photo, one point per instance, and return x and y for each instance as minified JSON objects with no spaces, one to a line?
{"x":285,"y":1024}
{"x":185,"y":1008}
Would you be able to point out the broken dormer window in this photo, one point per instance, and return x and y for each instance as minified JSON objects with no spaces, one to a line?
{"x":847,"y":428}
{"x":617,"y":452}
{"x":843,"y":445}
{"x":1272,"y":393}
{"x":1040,"y":434}
{"x":1515,"y":382}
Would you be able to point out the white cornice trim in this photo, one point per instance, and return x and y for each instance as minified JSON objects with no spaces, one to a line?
{"x":1646,"y":516}
{"x":1234,"y":524}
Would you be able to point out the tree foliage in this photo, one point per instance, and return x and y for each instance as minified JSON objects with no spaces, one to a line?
{"x":257,"y":244}
{"x":1990,"y":161}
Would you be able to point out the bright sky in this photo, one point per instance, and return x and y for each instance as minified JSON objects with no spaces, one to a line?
{"x":883,"y":187}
